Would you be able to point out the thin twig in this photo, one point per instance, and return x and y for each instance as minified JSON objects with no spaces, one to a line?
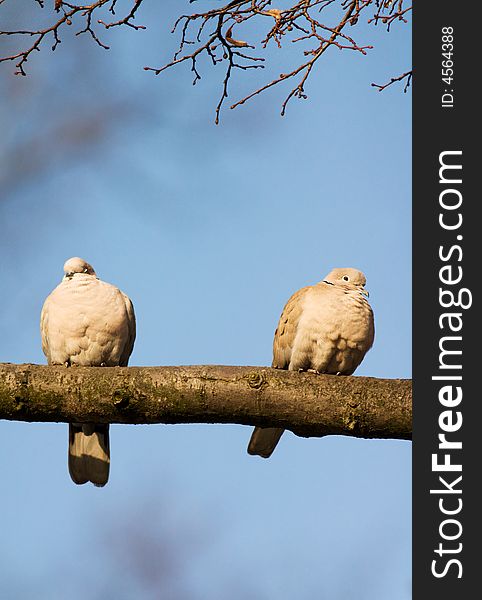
{"x":224,"y":35}
{"x":407,"y":76}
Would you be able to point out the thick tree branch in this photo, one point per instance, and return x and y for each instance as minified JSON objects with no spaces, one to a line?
{"x":307,"y":404}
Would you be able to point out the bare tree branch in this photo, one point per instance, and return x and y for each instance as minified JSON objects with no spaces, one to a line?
{"x":407,"y":76}
{"x":307,"y":404}
{"x":229,"y":34}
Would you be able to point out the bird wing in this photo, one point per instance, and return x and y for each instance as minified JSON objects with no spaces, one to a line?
{"x":285,"y":333}
{"x":44,"y":321}
{"x":131,"y":324}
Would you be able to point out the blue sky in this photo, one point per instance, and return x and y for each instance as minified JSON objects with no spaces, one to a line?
{"x":209,"y":229}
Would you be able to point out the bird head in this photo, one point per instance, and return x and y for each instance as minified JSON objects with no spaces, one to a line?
{"x":348,"y":277}
{"x":77,"y":265}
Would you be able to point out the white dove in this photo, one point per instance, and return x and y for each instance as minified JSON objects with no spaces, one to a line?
{"x":87,"y":322}
{"x":326,"y":328}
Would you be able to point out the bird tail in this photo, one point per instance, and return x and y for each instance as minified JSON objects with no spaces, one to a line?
{"x":89,"y":454}
{"x":264,"y":440}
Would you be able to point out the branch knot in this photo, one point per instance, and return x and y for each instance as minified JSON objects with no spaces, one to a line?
{"x":256,"y":380}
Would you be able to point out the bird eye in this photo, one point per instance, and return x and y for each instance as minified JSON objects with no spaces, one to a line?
{"x":345,"y":278}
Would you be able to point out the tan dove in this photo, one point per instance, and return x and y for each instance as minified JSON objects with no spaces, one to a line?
{"x":327,"y":328}
{"x":87,"y":322}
